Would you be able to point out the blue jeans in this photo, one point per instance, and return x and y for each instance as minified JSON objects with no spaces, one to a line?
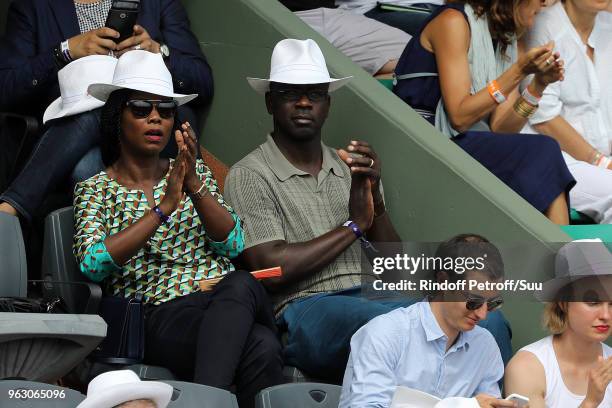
{"x":62,"y":146}
{"x":409,"y":22}
{"x":320,"y":328}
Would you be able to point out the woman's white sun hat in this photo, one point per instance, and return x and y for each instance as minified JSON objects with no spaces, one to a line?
{"x":74,"y":79}
{"x":576,"y":260}
{"x":143,"y":71}
{"x":112,"y":388}
{"x":297,"y":62}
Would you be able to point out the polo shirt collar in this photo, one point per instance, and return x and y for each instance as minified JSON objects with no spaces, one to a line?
{"x":284,"y":169}
{"x":434,"y":332}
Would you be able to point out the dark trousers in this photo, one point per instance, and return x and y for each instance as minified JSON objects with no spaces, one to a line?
{"x":220,"y":338}
{"x":407,"y":21}
{"x":60,"y":148}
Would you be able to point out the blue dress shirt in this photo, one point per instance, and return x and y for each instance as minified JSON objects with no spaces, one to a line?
{"x":407,"y":347}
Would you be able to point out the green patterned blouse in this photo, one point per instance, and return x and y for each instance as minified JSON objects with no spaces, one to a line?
{"x":172,"y":261}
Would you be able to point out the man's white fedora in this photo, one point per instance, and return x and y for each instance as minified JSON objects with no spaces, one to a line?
{"x":74,"y":79}
{"x":144,"y":71}
{"x":297,"y":62}
{"x":116,"y":387}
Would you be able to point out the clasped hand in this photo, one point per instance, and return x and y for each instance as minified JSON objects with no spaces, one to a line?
{"x":365,"y":169}
{"x":183,"y":177}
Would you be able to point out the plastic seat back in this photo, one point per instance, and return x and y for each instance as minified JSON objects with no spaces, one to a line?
{"x":59,"y":265}
{"x":188,"y":395}
{"x":299,"y":395}
{"x":30,"y":394}
{"x":13,"y":268}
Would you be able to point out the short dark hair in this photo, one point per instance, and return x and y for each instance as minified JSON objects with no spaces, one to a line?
{"x":110,"y":125}
{"x":471,"y":246}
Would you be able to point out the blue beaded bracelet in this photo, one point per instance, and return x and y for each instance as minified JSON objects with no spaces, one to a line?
{"x":162,"y":217}
{"x":354,"y":227}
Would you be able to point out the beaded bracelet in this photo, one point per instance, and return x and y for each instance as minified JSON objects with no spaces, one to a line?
{"x":162,"y":217}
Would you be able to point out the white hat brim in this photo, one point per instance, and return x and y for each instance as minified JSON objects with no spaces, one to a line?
{"x":262,"y":86}
{"x":103,"y":91}
{"x":55,"y":110}
{"x":159,"y":392}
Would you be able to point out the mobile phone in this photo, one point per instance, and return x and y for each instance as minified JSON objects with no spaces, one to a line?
{"x":519,"y":399}
{"x":122,"y":17}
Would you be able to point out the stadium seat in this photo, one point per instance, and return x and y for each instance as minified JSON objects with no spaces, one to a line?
{"x":59,"y":265}
{"x":46,"y":346}
{"x":64,"y":280}
{"x":299,"y":395}
{"x":578,"y":218}
{"x":187,"y":395}
{"x":14,"y":270}
{"x":36,"y":346}
{"x":29,"y":394}
{"x":602,"y":231}
{"x":387,"y":83}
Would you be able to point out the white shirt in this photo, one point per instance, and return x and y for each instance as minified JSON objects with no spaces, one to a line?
{"x":583,"y":99}
{"x":557,"y":394}
{"x":363,"y":6}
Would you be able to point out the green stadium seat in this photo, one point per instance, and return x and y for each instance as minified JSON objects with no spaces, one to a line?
{"x":578,"y":218}
{"x":602,"y":231}
{"x":387,"y":83}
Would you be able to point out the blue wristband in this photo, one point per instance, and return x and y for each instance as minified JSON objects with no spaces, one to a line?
{"x":354,"y":227}
{"x":162,"y":217}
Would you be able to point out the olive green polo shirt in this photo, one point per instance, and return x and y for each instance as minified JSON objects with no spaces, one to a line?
{"x":277,"y":201}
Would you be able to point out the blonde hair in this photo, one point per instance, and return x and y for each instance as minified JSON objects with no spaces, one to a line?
{"x":554,"y":318}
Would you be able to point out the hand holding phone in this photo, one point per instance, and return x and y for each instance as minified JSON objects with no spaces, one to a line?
{"x":122,"y":17}
{"x":519,"y":399}
{"x":94,"y":42}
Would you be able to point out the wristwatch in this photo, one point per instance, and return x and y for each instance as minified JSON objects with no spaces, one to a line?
{"x":164,"y":50}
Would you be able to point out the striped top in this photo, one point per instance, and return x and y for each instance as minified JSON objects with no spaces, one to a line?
{"x":277,"y":201}
{"x":172,"y":261}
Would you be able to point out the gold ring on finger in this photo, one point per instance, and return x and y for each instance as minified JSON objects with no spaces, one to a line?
{"x":371,"y":162}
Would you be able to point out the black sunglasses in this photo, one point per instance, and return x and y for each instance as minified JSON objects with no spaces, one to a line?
{"x":294,"y":95}
{"x":142,"y":108}
{"x":475,"y":302}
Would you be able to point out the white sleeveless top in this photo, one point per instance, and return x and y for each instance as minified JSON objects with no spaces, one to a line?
{"x":557,"y":394}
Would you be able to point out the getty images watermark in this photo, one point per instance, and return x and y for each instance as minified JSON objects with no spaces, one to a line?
{"x":425,"y":265}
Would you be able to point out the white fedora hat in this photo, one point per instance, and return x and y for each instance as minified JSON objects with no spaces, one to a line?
{"x":116,"y":387}
{"x":144,"y":71}
{"x":74,"y":79}
{"x":579,"y":259}
{"x":297,"y":62}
